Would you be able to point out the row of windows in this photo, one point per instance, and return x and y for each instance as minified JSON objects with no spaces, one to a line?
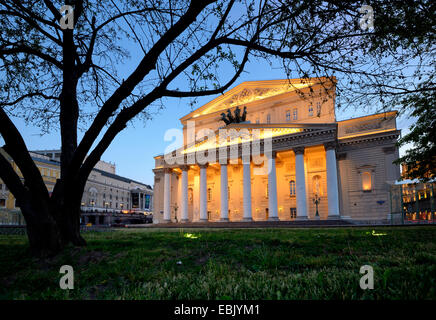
{"x":49,"y":172}
{"x":294,"y":114}
{"x":93,"y":203}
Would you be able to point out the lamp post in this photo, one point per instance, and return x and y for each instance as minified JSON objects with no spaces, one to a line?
{"x":175,"y":212}
{"x":316,"y":201}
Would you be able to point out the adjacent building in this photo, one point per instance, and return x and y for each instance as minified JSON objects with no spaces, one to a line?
{"x":105,"y":191}
{"x":313,"y":167}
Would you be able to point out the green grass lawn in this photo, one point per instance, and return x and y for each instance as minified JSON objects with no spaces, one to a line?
{"x":229,"y":264}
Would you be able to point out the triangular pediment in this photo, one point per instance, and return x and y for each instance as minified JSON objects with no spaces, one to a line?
{"x":250,"y":91}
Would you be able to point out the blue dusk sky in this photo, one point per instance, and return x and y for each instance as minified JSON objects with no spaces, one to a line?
{"x":133,"y":149}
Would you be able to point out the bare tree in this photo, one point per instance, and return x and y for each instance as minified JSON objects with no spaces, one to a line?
{"x":69,"y":79}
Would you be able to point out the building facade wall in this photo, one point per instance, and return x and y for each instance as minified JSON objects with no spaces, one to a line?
{"x":364,"y":148}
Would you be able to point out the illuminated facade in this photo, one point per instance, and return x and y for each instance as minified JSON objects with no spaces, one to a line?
{"x":316,"y":167}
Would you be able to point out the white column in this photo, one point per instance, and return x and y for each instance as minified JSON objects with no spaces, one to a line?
{"x":300,"y":181}
{"x":246,"y":189}
{"x":224,"y":194}
{"x":203,"y":193}
{"x":167,"y":196}
{"x":272,"y":189}
{"x":184,"y":194}
{"x":332,"y":182}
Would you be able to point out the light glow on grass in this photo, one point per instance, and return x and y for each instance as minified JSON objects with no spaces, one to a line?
{"x":191,"y":236}
{"x":374,"y":234}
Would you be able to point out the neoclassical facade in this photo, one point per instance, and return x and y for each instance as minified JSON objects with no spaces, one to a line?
{"x":287,"y":158}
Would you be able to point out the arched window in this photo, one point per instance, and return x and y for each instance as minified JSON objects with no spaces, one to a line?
{"x":292,"y":190}
{"x":366,"y":181}
{"x":316,"y":185}
{"x":93,"y":192}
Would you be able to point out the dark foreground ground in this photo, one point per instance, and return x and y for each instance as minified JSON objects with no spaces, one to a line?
{"x":229,"y":264}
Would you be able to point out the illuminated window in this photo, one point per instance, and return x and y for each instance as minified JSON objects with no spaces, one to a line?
{"x":366,"y":181}
{"x":310,"y":110}
{"x":292,"y":191}
{"x":295,"y":114}
{"x":288,"y":115}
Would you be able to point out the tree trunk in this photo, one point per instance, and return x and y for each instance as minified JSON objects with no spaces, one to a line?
{"x":51,"y":226}
{"x":42,"y":231}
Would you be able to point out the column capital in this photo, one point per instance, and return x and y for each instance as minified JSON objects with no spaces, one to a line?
{"x":246,"y":159}
{"x":330,"y":145}
{"x":167,"y":170}
{"x":203,"y":166}
{"x":298,"y":150}
{"x":184,"y":167}
{"x":224,"y":162}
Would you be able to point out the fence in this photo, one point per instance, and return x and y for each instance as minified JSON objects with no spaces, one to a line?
{"x":11,"y":217}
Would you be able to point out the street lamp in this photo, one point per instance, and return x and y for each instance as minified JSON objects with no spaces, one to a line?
{"x":175,"y":212}
{"x":316,"y":201}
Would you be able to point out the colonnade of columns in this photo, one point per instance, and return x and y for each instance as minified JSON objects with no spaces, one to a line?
{"x":141,"y":200}
{"x":300,"y":180}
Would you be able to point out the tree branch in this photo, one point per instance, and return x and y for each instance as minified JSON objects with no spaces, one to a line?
{"x":17,"y":149}
{"x":147,"y":64}
{"x":11,"y":178}
{"x":25,"y":49}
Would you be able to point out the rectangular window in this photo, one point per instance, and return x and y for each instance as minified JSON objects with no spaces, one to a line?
{"x":268,"y":118}
{"x":2,"y":203}
{"x":318,"y":109}
{"x":288,"y":115}
{"x":310,"y":110}
{"x":257,"y":120}
{"x":295,"y":114}
{"x":293,"y":213}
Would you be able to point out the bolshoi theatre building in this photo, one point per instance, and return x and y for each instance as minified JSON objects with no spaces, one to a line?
{"x":273,"y":150}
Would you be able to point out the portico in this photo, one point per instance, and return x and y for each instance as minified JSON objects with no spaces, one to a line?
{"x":214,"y":200}
{"x":288,"y":160}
